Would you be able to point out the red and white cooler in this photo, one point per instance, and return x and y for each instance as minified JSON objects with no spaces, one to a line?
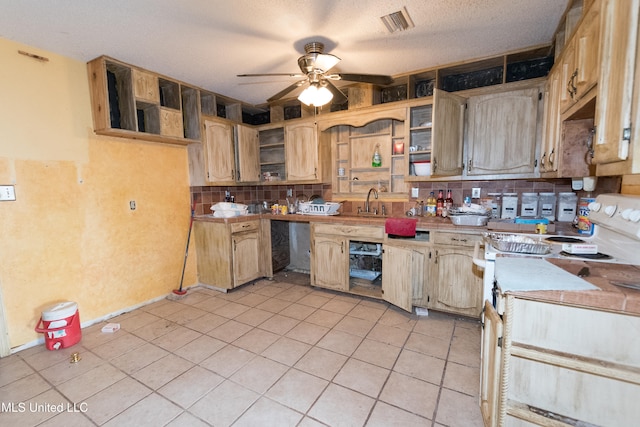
{"x":60,"y":325}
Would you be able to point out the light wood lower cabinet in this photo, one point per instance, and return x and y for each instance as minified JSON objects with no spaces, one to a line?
{"x":455,"y":280}
{"x":330,"y":262}
{"x":230,"y":255}
{"x":403,"y":274}
{"x":559,"y":365}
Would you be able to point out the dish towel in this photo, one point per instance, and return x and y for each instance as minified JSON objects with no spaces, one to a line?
{"x":403,"y":227}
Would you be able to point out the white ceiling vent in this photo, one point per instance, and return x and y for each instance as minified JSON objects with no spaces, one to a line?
{"x":397,"y":21}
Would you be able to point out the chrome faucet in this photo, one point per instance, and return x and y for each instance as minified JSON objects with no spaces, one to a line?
{"x":366,"y":203}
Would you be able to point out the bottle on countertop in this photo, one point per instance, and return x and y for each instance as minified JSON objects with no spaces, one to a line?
{"x":440,"y":203}
{"x":448,"y":203}
{"x":431,"y":204}
{"x":420,"y":208}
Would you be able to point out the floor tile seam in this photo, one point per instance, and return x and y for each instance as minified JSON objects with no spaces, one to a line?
{"x":444,"y":372}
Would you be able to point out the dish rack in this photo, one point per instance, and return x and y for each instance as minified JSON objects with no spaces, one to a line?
{"x":327,"y":208}
{"x":517,"y":244}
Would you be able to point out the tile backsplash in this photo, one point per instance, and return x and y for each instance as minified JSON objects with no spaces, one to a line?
{"x":255,"y":195}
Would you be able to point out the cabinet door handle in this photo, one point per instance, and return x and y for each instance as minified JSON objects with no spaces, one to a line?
{"x":434,"y":165}
{"x":454,"y":239}
{"x":469,"y":165}
{"x":436,"y":258}
{"x":571,"y":87}
{"x":551,"y":157}
{"x":542,"y":160}
{"x":341,"y":247}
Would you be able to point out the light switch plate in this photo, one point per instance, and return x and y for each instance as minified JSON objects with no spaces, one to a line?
{"x":7,"y":193}
{"x":415,"y":192}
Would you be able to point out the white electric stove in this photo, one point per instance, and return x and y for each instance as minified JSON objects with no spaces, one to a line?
{"x":616,"y":234}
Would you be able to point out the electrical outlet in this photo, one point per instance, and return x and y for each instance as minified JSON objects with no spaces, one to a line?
{"x":475,"y":193}
{"x":415,"y":192}
{"x":132,"y":205}
{"x":289,"y":192}
{"x":7,"y":193}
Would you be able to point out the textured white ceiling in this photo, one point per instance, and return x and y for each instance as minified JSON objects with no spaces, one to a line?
{"x":207,"y":42}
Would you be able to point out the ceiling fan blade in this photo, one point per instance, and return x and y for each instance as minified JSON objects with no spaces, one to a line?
{"x":338,"y":96}
{"x":272,"y":74}
{"x":286,"y":90}
{"x":375,"y":79}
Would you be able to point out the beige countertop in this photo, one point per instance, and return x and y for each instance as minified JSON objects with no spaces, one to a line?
{"x":603,"y":275}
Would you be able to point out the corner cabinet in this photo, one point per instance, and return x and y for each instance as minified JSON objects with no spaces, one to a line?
{"x":228,"y":154}
{"x":130,"y":102}
{"x":232,"y":254}
{"x":503,"y":132}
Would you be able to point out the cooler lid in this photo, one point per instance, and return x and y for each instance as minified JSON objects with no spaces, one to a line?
{"x":60,"y":311}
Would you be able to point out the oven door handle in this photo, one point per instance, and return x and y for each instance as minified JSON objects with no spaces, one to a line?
{"x":480,"y":262}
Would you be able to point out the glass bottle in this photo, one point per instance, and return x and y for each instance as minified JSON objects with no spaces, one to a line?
{"x":440,"y":203}
{"x":431,"y":204}
{"x":448,"y":203}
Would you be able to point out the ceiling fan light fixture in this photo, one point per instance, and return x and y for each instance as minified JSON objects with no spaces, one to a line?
{"x":315,"y":95}
{"x":398,"y":21}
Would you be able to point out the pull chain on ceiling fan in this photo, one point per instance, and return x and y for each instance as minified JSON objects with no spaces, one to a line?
{"x":314,"y":65}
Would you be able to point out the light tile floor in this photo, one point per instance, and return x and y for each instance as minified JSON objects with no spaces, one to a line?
{"x":272,"y":353}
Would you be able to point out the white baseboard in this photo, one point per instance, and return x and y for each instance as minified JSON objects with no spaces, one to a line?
{"x":92,"y":322}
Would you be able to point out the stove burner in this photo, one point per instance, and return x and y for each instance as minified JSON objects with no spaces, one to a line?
{"x":599,"y":255}
{"x":564,"y":239}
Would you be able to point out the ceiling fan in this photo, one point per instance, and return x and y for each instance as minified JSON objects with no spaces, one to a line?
{"x":315,"y":65}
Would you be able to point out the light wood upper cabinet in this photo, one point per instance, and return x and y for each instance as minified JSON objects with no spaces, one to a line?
{"x":502,"y":132}
{"x":130,"y":102}
{"x":219,"y":151}
{"x":551,"y":124}
{"x":247,"y":154}
{"x":616,"y":95}
{"x":580,"y":59}
{"x":587,"y":48}
{"x":301,"y":152}
{"x":448,"y":129}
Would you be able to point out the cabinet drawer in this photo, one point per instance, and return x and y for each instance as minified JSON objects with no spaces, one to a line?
{"x":244,"y":226}
{"x":352,"y":231}
{"x":456,"y":239}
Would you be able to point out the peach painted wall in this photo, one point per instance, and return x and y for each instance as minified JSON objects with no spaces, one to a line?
{"x":70,"y":235}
